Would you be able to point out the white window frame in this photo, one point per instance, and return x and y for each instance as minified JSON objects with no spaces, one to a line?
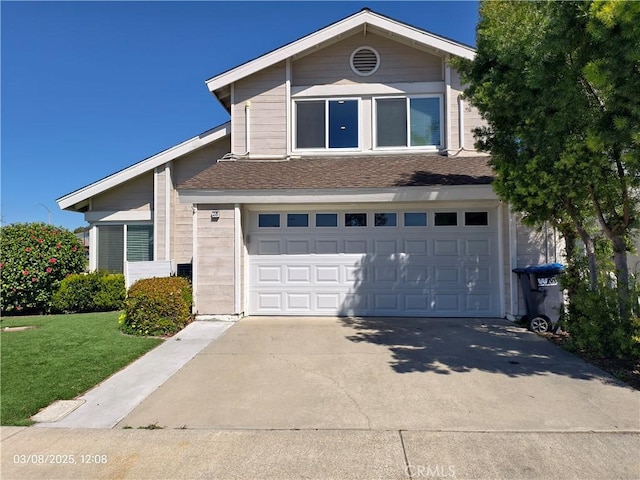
{"x":125,"y":227}
{"x":326,"y":100}
{"x":408,"y":98}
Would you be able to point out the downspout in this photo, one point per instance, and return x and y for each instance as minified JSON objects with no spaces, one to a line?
{"x":460,"y":122}
{"x":247,"y":127}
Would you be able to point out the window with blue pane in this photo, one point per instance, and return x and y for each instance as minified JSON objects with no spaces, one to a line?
{"x":326,"y":219}
{"x":327,"y":124}
{"x":269,"y":220}
{"x":415,"y":219}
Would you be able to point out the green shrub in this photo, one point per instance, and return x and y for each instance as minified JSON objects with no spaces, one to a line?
{"x":595,"y":324}
{"x":93,"y":292}
{"x":34,"y":259}
{"x":157,"y":306}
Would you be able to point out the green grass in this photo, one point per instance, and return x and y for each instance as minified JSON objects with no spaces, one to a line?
{"x":64,"y":356}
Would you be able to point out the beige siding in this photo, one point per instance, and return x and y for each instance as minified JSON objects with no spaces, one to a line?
{"x":535,"y":246}
{"x":266,"y":90}
{"x":398,"y":63}
{"x":471,"y":116}
{"x":182,"y":232}
{"x":195,"y":162}
{"x":215,"y":257}
{"x":161,"y":216}
{"x":136,"y":194}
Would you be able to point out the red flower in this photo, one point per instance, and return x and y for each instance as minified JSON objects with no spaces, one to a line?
{"x":49,"y":269}
{"x":18,"y":307}
{"x":52,"y":260}
{"x":34,"y":279}
{"x":28,"y":249}
{"x":1,"y":264}
{"x":25,"y":272}
{"x":39,"y":240}
{"x":74,"y":249}
{"x":58,"y":245}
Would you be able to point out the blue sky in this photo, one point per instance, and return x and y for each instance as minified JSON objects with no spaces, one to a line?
{"x":89,"y":88}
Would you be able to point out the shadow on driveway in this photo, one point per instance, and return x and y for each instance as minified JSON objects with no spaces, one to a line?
{"x":447,"y":345}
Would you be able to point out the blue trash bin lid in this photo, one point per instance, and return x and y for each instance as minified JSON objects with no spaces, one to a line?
{"x":546,"y":268}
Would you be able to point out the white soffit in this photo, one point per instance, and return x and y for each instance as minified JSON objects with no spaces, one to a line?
{"x":365,"y":17}
{"x":144,"y":166}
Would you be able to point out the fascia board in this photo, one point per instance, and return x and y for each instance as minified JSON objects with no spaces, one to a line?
{"x":455,"y":193}
{"x":144,"y":166}
{"x":332,"y":31}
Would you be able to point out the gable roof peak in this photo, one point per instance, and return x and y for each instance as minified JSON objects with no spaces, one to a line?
{"x":365,"y":16}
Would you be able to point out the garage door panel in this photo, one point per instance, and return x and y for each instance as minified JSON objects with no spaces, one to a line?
{"x":415,"y":247}
{"x":328,"y":302}
{"x":298,"y":301}
{"x":327,"y":274}
{"x":298,"y":274}
{"x":269,"y":274}
{"x":403,"y":271}
{"x":269,"y":247}
{"x":384,"y":247}
{"x":327,"y":247}
{"x":446,"y":248}
{"x":446,"y":303}
{"x":355,"y":246}
{"x":298,"y":247}
{"x":477,"y":247}
{"x":446,"y":274}
{"x":478,"y":303}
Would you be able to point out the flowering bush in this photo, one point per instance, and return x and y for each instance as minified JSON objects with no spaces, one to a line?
{"x":157,"y":306}
{"x":34,"y":259}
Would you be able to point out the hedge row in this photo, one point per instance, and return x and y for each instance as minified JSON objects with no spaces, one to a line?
{"x":92,"y":292}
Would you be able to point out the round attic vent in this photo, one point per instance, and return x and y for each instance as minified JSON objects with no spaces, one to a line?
{"x":365,"y":61}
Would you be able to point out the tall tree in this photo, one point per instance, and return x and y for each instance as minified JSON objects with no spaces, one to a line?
{"x":558,"y":83}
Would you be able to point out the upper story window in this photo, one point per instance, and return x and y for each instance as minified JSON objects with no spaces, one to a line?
{"x":408,"y":122}
{"x":327,"y":124}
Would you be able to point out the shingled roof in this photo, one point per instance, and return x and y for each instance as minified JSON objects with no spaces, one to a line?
{"x":380,"y":171}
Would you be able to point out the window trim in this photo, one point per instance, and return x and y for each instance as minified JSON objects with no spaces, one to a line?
{"x":407,"y":98}
{"x":124,"y":226}
{"x":326,"y":100}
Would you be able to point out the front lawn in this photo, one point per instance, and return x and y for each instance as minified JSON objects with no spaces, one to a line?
{"x":62,"y":357}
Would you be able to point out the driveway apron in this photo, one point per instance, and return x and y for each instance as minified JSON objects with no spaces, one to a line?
{"x":463,"y":375}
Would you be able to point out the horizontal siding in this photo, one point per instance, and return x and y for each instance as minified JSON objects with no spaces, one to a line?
{"x":188,"y":166}
{"x":398,"y":63}
{"x":161,"y":216}
{"x":136,"y":194}
{"x":215,"y":272}
{"x":266,"y":90}
{"x":182,"y":232}
{"x":471,"y":116}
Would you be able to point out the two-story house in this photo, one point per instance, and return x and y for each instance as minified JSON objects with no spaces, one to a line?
{"x":345,"y":183}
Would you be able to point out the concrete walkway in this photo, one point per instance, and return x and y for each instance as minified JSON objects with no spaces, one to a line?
{"x":108,"y":403}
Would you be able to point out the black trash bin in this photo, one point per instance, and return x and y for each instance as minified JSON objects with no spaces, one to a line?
{"x":543,"y":295}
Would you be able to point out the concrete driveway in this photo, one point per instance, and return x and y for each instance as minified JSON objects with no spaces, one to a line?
{"x":458,"y":375}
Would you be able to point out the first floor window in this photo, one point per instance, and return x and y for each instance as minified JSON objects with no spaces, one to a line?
{"x":113,"y":248}
{"x":326,"y":124}
{"x":408,"y":122}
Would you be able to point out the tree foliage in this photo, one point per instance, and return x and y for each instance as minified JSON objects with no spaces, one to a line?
{"x":34,"y":259}
{"x":558,"y":83}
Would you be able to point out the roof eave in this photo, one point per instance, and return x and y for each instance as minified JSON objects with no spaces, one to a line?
{"x":75,"y":200}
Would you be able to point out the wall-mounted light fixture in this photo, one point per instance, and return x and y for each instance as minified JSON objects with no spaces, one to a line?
{"x":215,"y":215}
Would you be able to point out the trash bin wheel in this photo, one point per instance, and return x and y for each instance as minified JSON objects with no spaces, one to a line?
{"x":539,"y":325}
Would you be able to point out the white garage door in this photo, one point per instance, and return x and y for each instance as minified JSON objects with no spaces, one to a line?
{"x":364,"y":262}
